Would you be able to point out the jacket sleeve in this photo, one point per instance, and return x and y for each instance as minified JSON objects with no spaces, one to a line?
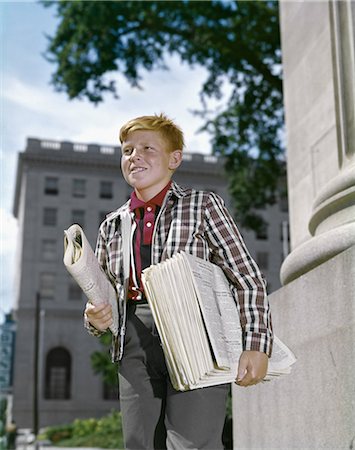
{"x":228,"y":251}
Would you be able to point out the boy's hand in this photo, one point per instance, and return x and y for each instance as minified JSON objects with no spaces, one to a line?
{"x":252,"y":368}
{"x":100,"y":316}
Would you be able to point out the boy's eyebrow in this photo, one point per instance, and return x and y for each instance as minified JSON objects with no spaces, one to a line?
{"x":142,"y":144}
{"x":126,"y":143}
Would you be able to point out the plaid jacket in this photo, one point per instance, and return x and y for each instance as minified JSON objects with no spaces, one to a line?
{"x":198,"y":223}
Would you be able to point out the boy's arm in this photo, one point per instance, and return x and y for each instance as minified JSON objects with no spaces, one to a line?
{"x":230,"y":253}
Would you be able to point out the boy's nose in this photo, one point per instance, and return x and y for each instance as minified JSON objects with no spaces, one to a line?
{"x":135,"y":154}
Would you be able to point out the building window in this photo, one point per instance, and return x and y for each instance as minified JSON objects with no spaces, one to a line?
{"x":78,"y":216}
{"x":57,"y":374}
{"x":74,"y":290}
{"x":51,"y":186}
{"x":79,"y":188}
{"x":46,"y":285}
{"x":50,"y":217}
{"x":262,"y":258}
{"x":110,"y":392}
{"x":262,"y":233}
{"x":48,"y":249}
{"x":106,"y":189}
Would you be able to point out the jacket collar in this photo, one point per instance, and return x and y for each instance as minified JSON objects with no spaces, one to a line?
{"x":179,"y":191}
{"x":175,"y":191}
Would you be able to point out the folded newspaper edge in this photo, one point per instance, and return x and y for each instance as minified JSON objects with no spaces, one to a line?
{"x":81,"y":262}
{"x":198,"y":323}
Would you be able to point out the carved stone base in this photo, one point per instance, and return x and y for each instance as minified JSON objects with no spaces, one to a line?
{"x":332,"y":226}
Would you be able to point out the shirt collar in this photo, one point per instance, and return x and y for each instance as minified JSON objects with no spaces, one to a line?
{"x":157,"y":200}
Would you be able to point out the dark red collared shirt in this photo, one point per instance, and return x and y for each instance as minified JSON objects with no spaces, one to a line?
{"x":145,"y":214}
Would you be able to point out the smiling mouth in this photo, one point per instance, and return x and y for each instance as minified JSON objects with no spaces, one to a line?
{"x":138,"y":169}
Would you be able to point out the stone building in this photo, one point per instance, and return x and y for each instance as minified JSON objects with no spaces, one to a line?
{"x":60,"y":183}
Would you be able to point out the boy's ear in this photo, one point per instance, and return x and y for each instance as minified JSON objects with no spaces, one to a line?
{"x":175,"y":159}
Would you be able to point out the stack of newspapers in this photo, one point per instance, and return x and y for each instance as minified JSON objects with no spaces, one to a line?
{"x":198,"y":323}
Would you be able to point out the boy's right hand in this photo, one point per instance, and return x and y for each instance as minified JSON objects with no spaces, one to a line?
{"x":99,"y":315}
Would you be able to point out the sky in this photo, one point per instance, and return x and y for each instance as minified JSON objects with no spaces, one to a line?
{"x":29,"y":107}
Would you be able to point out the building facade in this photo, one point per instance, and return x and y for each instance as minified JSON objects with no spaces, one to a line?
{"x":60,"y":183}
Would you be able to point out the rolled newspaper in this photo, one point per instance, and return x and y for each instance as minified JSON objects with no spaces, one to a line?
{"x":81,"y":262}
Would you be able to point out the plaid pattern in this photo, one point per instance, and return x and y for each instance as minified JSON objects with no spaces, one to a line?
{"x":198,"y":223}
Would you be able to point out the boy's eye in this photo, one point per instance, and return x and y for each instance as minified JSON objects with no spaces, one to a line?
{"x":127,"y":150}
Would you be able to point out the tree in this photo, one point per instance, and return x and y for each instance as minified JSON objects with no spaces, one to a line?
{"x":102,"y":363}
{"x":237,"y":42}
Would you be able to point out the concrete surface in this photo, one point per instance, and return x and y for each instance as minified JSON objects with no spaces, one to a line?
{"x":314,"y":406}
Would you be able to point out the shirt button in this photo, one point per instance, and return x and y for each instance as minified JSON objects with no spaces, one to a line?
{"x":149,"y":224}
{"x":149,"y":208}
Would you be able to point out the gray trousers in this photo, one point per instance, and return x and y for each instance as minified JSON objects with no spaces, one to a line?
{"x":154,"y":414}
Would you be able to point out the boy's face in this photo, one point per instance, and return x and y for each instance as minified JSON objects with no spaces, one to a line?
{"x":146,"y":163}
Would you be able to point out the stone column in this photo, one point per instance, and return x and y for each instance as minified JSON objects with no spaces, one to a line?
{"x":313,"y":407}
{"x":318,"y":44}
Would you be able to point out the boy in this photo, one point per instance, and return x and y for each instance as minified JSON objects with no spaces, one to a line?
{"x":166,"y":219}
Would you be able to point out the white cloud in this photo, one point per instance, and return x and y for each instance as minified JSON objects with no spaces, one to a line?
{"x":39,"y":111}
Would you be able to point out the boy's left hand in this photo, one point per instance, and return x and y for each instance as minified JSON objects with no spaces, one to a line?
{"x":252,"y":368}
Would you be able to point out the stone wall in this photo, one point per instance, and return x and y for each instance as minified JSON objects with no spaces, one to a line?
{"x":314,"y":406}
